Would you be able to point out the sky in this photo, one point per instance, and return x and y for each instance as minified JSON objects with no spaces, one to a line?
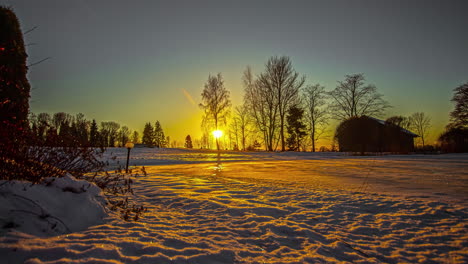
{"x":138,"y":61}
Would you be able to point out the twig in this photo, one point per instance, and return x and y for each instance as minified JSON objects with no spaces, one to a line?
{"x":35,"y":63}
{"x":28,"y":31}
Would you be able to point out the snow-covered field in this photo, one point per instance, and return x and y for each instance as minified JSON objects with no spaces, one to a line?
{"x":274,"y":208}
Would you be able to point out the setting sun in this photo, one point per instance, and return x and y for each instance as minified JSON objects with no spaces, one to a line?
{"x":217,"y":133}
{"x":233,"y":131}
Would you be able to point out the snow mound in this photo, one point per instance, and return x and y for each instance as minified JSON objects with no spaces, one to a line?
{"x":56,"y":206}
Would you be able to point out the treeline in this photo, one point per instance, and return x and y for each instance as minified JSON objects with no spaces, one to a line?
{"x":63,"y":129}
{"x":282,"y":111}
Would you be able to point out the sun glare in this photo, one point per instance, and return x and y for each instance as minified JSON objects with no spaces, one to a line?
{"x":217,"y":133}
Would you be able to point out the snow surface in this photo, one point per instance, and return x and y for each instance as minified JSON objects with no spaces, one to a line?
{"x":260,"y":207}
{"x":57,"y":206}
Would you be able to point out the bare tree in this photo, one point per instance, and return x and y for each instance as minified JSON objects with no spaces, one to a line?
{"x":420,"y":123}
{"x":109,"y":132}
{"x":400,"y":121}
{"x":216,"y":101}
{"x":284,"y":83}
{"x":60,"y":119}
{"x":234,"y":133}
{"x":315,"y":111}
{"x":352,"y":98}
{"x":262,"y":107}
{"x":243,"y":121}
{"x":124,"y":135}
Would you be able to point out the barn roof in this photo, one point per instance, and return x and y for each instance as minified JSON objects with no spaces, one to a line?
{"x":402,"y":129}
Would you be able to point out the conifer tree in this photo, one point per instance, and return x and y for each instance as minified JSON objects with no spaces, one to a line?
{"x":135,"y":137}
{"x":188,"y":142}
{"x":459,"y":115}
{"x":148,"y":135}
{"x":14,"y":86}
{"x":159,"y":137}
{"x":93,"y":134}
{"x":296,"y":127}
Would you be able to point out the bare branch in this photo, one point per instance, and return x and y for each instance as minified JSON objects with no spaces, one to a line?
{"x":41,"y":61}
{"x":30,"y":30}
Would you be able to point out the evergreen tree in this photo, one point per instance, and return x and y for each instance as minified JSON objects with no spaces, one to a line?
{"x":14,"y":86}
{"x":159,"y":137}
{"x":455,"y":138}
{"x":93,"y":134}
{"x":296,"y":127}
{"x":148,"y":135}
{"x":82,"y":129}
{"x":459,"y":115}
{"x":188,"y":142}
{"x":135,"y":137}
{"x":65,"y":135}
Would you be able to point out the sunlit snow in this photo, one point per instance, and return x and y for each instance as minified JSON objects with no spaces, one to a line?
{"x":259,"y":207}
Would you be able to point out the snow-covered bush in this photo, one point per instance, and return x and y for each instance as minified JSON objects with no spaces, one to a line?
{"x":56,"y":206}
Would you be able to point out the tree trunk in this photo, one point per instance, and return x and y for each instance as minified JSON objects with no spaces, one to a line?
{"x":313,"y":141}
{"x":282,"y":135}
{"x":313,"y":136}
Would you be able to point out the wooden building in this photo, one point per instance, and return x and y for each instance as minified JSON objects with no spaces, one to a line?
{"x":367,"y":134}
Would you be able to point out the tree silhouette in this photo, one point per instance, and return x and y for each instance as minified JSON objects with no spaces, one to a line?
{"x":261,"y":103}
{"x":296,"y":128}
{"x":59,"y":119}
{"x":454,"y":139}
{"x":400,"y":121}
{"x":459,"y":116}
{"x":216,"y":101}
{"x":316,"y":113}
{"x":148,"y":135}
{"x":135,"y":137}
{"x":124,"y":135}
{"x":282,"y":84}
{"x":352,"y":98}
{"x":241,"y":122}
{"x":43,"y":124}
{"x":109,"y":132}
{"x":93,"y":134}
{"x":14,"y":86}
{"x":81,"y":129}
{"x":188,"y":142}
{"x":420,"y":123}
{"x":159,"y":137}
